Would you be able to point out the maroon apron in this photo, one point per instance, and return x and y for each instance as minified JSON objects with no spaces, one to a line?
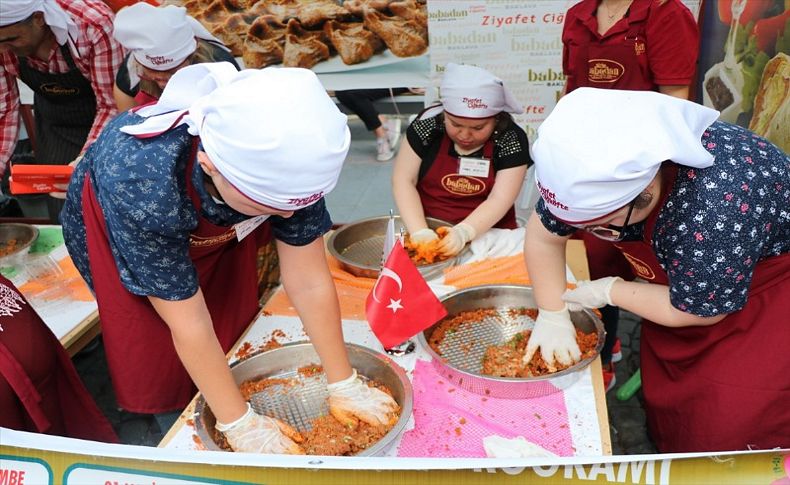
{"x":147,"y":375}
{"x":451,"y":197}
{"x":720,"y":387}
{"x":619,"y":64}
{"x":142,"y":98}
{"x":40,"y":390}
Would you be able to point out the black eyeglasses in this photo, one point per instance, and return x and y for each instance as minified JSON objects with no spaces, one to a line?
{"x":610,"y":232}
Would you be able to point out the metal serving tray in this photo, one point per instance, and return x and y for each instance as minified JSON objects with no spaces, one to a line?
{"x":463,"y":350}
{"x":305,"y":398}
{"x":358,"y":246}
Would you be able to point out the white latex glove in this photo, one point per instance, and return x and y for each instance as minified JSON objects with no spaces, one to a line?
{"x":555,"y":334}
{"x":253,"y":433}
{"x":351,"y":398}
{"x":65,"y":187}
{"x":456,"y":238}
{"x":592,"y":294}
{"x":423,"y":236}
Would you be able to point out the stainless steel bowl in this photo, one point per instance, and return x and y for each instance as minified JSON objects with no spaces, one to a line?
{"x":299,"y":404}
{"x":358,"y":246}
{"x":25,"y":235}
{"x":463,"y":350}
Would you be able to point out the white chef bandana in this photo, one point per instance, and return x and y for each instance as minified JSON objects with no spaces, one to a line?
{"x":159,"y":38}
{"x":599,"y":148}
{"x":61,"y":24}
{"x":273,"y":133}
{"x":473,"y":92}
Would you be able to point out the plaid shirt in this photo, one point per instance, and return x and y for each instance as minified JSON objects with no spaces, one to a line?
{"x":99,"y":56}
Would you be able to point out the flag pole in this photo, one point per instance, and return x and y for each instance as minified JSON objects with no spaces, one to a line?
{"x":408,"y":346}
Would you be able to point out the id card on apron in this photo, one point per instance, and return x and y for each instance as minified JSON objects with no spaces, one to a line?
{"x":243,"y":229}
{"x":473,"y":167}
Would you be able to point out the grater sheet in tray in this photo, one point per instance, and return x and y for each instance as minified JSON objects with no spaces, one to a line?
{"x":465,"y":346}
{"x":297,"y":402}
{"x":365,"y":252}
{"x":298,"y":398}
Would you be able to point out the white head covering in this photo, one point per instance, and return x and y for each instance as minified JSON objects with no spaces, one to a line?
{"x":273,"y":133}
{"x":62,"y":25}
{"x":473,"y":92}
{"x":159,"y":38}
{"x":599,"y":148}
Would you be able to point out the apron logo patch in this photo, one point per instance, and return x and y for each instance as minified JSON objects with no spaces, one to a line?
{"x":462,"y":185}
{"x":640,"y":268}
{"x":58,"y":90}
{"x":604,"y":70}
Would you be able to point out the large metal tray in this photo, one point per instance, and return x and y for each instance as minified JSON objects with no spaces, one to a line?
{"x":305,"y":399}
{"x":463,"y":350}
{"x":358,"y":246}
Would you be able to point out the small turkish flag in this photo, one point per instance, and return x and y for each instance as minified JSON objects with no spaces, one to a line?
{"x":401,"y":304}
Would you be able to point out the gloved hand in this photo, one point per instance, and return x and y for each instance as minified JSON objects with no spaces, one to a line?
{"x":592,"y":294}
{"x":253,"y":433}
{"x":456,"y":238}
{"x":65,"y":187}
{"x":555,"y":334}
{"x":351,"y":398}
{"x":423,"y":236}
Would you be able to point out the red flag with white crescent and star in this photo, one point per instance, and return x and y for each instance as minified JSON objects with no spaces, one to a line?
{"x":401,"y":303}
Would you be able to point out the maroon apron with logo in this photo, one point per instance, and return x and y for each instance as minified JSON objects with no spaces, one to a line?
{"x":40,"y":390}
{"x":720,"y":387}
{"x":147,"y":374}
{"x":616,"y":65}
{"x":449,"y":196}
{"x":622,"y":65}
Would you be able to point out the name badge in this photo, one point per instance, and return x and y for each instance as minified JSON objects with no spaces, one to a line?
{"x":243,"y":229}
{"x":474,"y":167}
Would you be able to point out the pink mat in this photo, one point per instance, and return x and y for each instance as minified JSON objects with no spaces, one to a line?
{"x":452,"y":422}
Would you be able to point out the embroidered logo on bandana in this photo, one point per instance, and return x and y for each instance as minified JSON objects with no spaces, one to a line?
{"x":550,"y":198}
{"x":462,"y":185}
{"x":474,"y":103}
{"x":159,"y":60}
{"x":641,"y":269}
{"x":604,"y":71}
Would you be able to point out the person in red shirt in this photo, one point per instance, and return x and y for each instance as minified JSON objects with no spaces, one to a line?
{"x":40,"y":390}
{"x":645,"y":45}
{"x":64,"y":51}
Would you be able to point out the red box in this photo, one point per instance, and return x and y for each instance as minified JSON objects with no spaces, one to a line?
{"x":38,"y":179}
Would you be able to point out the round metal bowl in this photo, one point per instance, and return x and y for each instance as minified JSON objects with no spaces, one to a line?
{"x":463,"y":350}
{"x":24,"y":234}
{"x":358,"y":246}
{"x":305,"y":398}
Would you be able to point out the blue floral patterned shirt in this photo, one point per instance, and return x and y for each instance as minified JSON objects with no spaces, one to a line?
{"x":718,"y":222}
{"x":141,"y":187}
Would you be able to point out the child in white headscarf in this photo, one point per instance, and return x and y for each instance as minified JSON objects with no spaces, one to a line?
{"x":699,"y":209}
{"x":163,"y":218}
{"x":463,"y":162}
{"x":159,"y":41}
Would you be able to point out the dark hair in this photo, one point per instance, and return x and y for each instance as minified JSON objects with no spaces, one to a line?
{"x":503,"y":121}
{"x":643,"y":200}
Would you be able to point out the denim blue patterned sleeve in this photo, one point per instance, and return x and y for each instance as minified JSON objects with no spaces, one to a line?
{"x":140,"y":186}
{"x":551,"y":223}
{"x":719,"y":222}
{"x":304,"y":226}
